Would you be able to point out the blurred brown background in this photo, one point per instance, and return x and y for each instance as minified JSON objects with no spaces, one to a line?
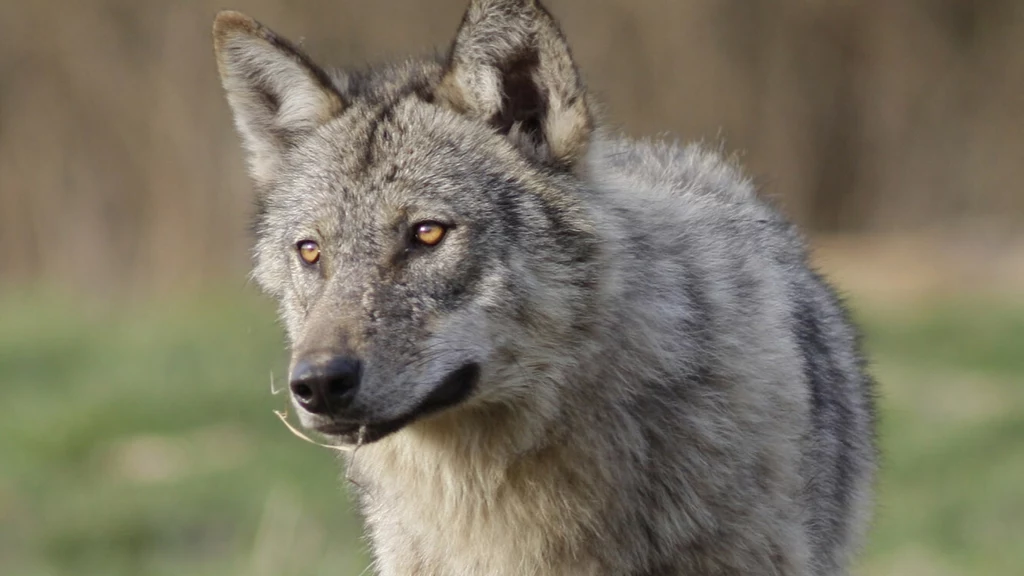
{"x":119,"y":168}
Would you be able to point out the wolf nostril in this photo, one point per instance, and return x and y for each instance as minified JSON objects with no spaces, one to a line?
{"x":325,"y":385}
{"x":302,"y":391}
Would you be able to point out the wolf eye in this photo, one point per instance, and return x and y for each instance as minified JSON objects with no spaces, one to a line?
{"x":309,"y":251}
{"x":430,"y":233}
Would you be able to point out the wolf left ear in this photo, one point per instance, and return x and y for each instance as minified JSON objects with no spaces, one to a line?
{"x":277,"y":94}
{"x":510,"y":66}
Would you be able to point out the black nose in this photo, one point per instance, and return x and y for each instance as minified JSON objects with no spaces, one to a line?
{"x":324,"y":385}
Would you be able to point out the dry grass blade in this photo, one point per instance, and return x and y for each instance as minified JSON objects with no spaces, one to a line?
{"x":283,"y":415}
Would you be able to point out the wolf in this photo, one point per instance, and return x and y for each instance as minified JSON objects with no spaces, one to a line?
{"x":554,"y":350}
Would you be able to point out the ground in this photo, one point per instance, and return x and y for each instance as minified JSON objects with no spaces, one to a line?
{"x":142,"y":442}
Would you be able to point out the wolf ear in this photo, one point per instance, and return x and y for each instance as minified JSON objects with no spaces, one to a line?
{"x":275,"y":91}
{"x":510,"y":66}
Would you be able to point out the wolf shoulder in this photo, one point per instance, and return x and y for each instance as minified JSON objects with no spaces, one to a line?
{"x":693,"y":183}
{"x":686,"y":201}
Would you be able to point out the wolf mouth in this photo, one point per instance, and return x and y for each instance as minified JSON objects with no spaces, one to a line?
{"x":453,"y":390}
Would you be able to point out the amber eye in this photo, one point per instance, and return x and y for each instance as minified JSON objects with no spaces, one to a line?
{"x":430,"y":233}
{"x":309,"y":251}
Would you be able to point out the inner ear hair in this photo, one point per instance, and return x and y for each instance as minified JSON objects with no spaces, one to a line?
{"x":510,"y":66}
{"x":523,"y":103}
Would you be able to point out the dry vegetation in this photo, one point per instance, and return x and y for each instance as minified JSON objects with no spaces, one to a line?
{"x":118,"y":168}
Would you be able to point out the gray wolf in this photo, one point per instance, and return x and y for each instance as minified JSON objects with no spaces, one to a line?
{"x":559,"y":351}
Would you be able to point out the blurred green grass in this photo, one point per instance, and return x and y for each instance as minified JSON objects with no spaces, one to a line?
{"x":141,"y":442}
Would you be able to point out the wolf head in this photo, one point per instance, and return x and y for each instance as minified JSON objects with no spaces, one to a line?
{"x":418,"y":222}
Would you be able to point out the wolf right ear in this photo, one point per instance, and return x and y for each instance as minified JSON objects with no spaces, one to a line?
{"x":511,"y":66}
{"x":277,"y":94}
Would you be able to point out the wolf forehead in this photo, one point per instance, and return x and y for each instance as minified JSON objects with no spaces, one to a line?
{"x":391,"y":138}
{"x":389,"y":82}
{"x":394,"y":154}
{"x":387,"y":114}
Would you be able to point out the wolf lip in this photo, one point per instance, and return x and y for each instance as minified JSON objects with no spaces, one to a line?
{"x":453,"y":390}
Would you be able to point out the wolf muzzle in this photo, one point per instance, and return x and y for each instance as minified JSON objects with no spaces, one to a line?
{"x":325,"y":384}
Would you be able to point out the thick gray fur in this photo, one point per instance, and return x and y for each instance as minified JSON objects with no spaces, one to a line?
{"x":665,"y":386}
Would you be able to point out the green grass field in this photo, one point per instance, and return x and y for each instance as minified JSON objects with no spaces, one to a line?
{"x":142,"y":442}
